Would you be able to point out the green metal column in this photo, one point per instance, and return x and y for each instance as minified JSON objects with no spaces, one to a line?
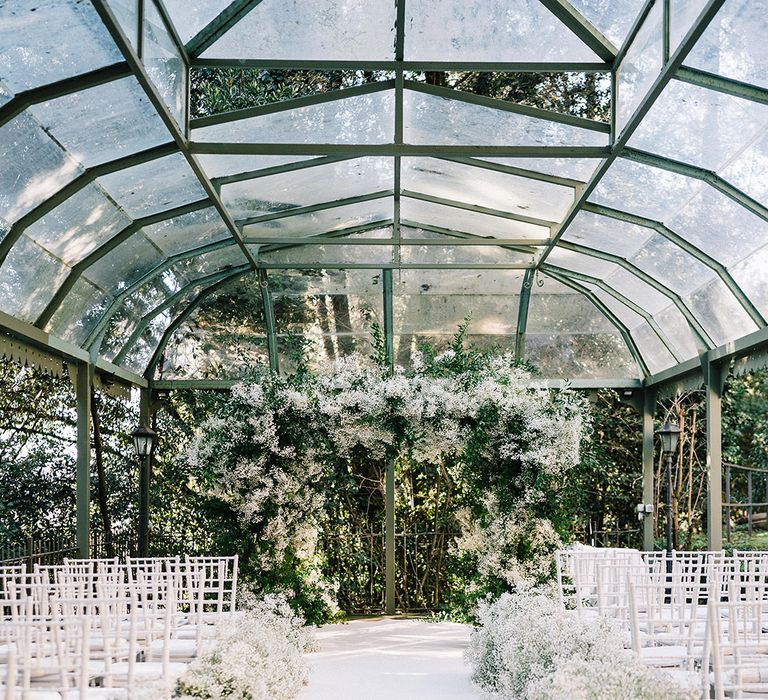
{"x":269,"y":319}
{"x":145,"y":398}
{"x":649,"y":409}
{"x":389,"y":489}
{"x":83,"y":479}
{"x":714,"y":391}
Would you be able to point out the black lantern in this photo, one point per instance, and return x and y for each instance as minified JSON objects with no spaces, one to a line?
{"x":143,"y":440}
{"x":670,"y":435}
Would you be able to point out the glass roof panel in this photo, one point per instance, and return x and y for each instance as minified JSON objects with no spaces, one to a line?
{"x":5,"y":95}
{"x":223,"y":165}
{"x":207,"y":263}
{"x":21,"y":292}
{"x":189,"y":18}
{"x":671,"y":265}
{"x":324,"y":221}
{"x":579,"y":262}
{"x":747,"y":171}
{"x":465,"y":183}
{"x":104,"y":122}
{"x":79,"y":225}
{"x":163,"y":62}
{"x":574,"y":168}
{"x":733,"y":44}
{"x":312,"y":29}
{"x":126,"y":13}
{"x":348,"y":178}
{"x":333,"y":254}
{"x":155,"y":186}
{"x":720,"y":313}
{"x":182,"y":233}
{"x":432,"y":119}
{"x":79,"y":313}
{"x":124,"y":265}
{"x":682,"y":15}
{"x":638,"y":291}
{"x":614,"y":18}
{"x":641,"y":65}
{"x":604,"y":233}
{"x":416,"y":211}
{"x":493,"y":30}
{"x":750,"y":276}
{"x":699,"y":126}
{"x":34,"y":167}
{"x":42,"y":41}
{"x":678,"y":330}
{"x":356,"y":119}
{"x":654,"y":352}
{"x":457,"y":254}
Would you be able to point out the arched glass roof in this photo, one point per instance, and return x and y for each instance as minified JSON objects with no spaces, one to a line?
{"x":607,"y":251}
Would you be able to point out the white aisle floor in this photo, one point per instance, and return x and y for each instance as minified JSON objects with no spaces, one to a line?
{"x":390,"y":659}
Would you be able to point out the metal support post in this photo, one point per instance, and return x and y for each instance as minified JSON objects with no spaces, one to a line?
{"x":144,"y":478}
{"x":83,"y":478}
{"x":649,"y":409}
{"x":389,"y":489}
{"x":715,"y":377}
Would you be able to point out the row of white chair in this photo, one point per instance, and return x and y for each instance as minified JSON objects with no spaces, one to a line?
{"x":103,"y":628}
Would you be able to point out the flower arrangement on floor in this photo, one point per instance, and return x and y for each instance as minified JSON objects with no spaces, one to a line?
{"x":527,"y":647}
{"x":258,"y":656}
{"x":281,"y":448}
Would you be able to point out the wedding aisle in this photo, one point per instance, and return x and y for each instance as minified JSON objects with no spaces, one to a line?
{"x":385,"y":658}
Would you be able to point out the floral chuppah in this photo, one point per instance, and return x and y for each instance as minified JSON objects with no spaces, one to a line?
{"x":279,"y":448}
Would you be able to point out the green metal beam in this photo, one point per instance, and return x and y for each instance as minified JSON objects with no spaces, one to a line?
{"x":177,"y":131}
{"x":276,"y":170}
{"x":667,"y":73}
{"x":522,"y":313}
{"x":692,"y":171}
{"x":713,"y":264}
{"x":389,"y":489}
{"x":292,"y":104}
{"x":186,"y":313}
{"x":583,"y":29}
{"x":311,"y":208}
{"x":361,"y":150}
{"x":478,"y":209}
{"x":168,"y":303}
{"x":269,"y":320}
{"x":80,"y":268}
{"x":504,"y":106}
{"x":517,"y":171}
{"x":728,"y":86}
{"x":396,"y":266}
{"x":323,"y":239}
{"x":220,"y":25}
{"x":615,"y":321}
{"x":697,"y":328}
{"x":60,"y":88}
{"x":94,"y":337}
{"x":626,"y":301}
{"x":75,"y":186}
{"x":637,"y":25}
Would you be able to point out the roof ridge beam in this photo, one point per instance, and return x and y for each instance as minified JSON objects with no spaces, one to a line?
{"x":582,"y":28}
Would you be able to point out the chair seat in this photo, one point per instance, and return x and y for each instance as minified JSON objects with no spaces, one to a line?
{"x":178,"y":648}
{"x":662,"y":657}
{"x":146,"y":671}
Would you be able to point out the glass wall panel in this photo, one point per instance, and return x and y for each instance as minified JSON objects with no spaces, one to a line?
{"x":614,"y":18}
{"x":580,"y":356}
{"x":33,"y":169}
{"x":416,"y":212}
{"x":223,"y":165}
{"x":734,"y":44}
{"x":699,"y":126}
{"x":325,"y":221}
{"x":641,"y":65}
{"x":79,"y":313}
{"x":42,"y":41}
{"x":154,"y":186}
{"x":520,"y":30}
{"x":311,"y":29}
{"x":182,"y":233}
{"x":574,"y":168}
{"x":79,"y":225}
{"x":103,"y":123}
{"x":360,"y":119}
{"x":464,"y":183}
{"x":430,"y":119}
{"x":120,"y":327}
{"x":320,"y":350}
{"x":348,"y":178}
{"x":164,"y":64}
{"x":21,"y":293}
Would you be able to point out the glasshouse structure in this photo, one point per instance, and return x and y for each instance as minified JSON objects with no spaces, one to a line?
{"x":618,"y":241}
